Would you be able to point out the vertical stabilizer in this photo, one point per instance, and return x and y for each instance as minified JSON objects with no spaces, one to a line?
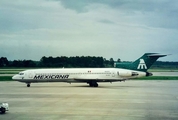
{"x":141,"y":64}
{"x":146,"y":61}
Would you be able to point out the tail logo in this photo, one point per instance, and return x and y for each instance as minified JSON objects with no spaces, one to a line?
{"x":142,"y":64}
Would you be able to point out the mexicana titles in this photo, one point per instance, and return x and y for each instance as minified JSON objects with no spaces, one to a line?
{"x":41,"y":76}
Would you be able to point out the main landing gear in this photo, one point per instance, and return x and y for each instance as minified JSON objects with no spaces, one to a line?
{"x":28,"y":84}
{"x":93,"y":84}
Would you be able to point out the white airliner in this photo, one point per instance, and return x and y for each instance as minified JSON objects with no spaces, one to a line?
{"x":90,"y":75}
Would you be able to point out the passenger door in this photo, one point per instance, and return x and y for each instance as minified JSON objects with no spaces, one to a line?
{"x":30,"y":74}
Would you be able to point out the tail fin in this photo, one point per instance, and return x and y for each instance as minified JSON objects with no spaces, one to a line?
{"x":141,"y":64}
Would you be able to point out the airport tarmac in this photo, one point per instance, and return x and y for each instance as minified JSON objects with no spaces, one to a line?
{"x":165,"y":73}
{"x":130,"y":100}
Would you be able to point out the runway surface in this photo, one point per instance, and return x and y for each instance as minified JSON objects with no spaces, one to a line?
{"x":130,"y":100}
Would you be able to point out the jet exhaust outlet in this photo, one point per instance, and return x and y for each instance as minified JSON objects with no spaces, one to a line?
{"x":148,"y":74}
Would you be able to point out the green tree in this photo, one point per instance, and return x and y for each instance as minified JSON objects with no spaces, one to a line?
{"x":4,"y":62}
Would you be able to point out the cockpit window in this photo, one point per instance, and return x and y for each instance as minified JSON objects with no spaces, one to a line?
{"x":21,"y":73}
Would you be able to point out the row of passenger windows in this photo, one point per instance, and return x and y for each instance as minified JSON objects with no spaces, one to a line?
{"x":68,"y":73}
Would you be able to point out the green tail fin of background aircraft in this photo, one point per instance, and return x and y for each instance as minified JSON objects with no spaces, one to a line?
{"x":141,"y":64}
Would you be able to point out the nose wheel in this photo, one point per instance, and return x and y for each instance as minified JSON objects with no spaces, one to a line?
{"x":28,"y":84}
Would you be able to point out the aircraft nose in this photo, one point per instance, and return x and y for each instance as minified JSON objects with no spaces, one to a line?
{"x":14,"y":77}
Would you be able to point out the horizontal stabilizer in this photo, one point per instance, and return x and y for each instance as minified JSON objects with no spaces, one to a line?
{"x":156,"y":55}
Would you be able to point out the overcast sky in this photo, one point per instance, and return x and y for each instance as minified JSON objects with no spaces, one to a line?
{"x":125,"y":29}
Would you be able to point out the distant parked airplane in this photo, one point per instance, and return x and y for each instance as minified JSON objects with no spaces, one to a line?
{"x":121,"y":72}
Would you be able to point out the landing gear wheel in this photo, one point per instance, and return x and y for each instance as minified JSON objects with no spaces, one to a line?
{"x":3,"y":110}
{"x":28,"y":85}
{"x":96,"y":85}
{"x":93,"y":84}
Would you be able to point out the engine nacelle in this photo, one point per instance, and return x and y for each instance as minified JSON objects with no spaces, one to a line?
{"x":126,"y":73}
{"x":132,"y":74}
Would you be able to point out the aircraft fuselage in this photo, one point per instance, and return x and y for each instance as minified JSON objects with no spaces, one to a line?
{"x":88,"y":75}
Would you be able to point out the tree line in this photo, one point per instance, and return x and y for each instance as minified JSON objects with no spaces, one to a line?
{"x":73,"y":62}
{"x":63,"y":61}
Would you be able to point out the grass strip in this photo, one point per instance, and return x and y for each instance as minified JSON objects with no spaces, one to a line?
{"x":6,"y":78}
{"x":9,"y":72}
{"x":163,"y":70}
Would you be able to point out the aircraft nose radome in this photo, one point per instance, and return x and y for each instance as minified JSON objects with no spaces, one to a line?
{"x":14,"y":77}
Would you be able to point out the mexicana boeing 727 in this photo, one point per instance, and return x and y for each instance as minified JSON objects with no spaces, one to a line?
{"x":121,"y":72}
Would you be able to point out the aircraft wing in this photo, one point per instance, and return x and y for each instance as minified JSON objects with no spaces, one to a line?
{"x":97,"y":80}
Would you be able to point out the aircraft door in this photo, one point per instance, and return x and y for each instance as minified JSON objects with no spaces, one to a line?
{"x":31,"y":74}
{"x":113,"y":74}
